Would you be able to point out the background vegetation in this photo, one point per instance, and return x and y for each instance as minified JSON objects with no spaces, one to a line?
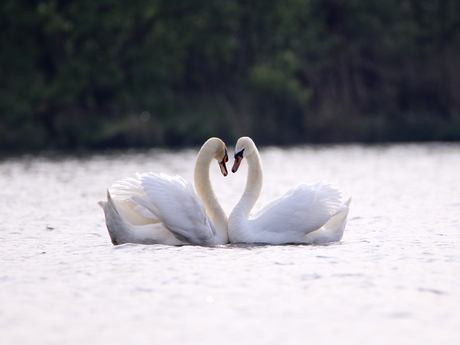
{"x":105,"y":73}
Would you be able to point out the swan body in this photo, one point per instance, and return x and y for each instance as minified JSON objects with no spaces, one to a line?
{"x":160,"y":208}
{"x":308,"y":213}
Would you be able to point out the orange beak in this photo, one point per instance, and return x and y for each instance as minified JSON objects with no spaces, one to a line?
{"x":222,"y":166}
{"x":237,"y":163}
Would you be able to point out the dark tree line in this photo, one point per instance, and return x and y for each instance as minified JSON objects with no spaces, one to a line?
{"x":109,"y":73}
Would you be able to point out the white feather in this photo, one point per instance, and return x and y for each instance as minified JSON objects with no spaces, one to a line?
{"x":308,"y":213}
{"x":161,"y":208}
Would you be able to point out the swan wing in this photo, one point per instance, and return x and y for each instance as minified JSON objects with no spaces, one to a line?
{"x":121,"y":230}
{"x":173,"y":200}
{"x":122,"y":191}
{"x":333,"y":229}
{"x":301,"y":210}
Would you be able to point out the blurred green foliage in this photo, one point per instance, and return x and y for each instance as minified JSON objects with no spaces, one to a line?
{"x":104,"y":73}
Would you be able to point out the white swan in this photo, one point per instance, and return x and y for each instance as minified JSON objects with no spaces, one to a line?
{"x":159,"y":208}
{"x":309,"y":213}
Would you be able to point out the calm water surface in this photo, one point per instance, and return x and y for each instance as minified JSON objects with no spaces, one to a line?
{"x":394,"y":277}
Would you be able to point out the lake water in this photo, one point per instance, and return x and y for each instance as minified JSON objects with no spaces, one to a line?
{"x":393,"y":279}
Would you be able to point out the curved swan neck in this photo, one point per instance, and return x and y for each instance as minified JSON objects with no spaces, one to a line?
{"x":253,"y":185}
{"x":206,"y":192}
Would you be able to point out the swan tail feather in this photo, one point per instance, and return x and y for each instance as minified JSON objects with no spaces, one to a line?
{"x":334,"y":228}
{"x":116,"y":225}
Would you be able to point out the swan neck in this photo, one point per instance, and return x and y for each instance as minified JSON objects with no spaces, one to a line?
{"x":253,"y":185}
{"x":206,"y":193}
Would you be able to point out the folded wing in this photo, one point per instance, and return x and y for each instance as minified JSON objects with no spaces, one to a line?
{"x":300,"y":211}
{"x":174,"y":202}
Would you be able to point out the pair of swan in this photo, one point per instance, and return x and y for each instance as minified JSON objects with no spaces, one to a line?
{"x":159,"y":208}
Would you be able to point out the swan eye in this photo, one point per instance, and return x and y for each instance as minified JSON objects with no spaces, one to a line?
{"x":239,"y":154}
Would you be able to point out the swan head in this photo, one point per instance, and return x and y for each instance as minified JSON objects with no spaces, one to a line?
{"x":218,"y":151}
{"x":244,"y":148}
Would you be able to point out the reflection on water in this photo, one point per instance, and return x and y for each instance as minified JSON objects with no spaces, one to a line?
{"x":395,"y":276}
